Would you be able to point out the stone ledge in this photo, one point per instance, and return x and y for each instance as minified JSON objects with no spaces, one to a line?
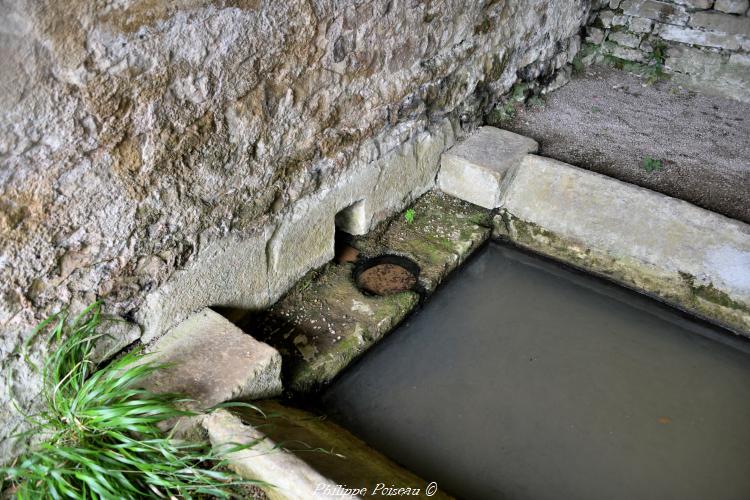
{"x":349,"y":460}
{"x":287,"y":476}
{"x":445,"y":232}
{"x":324,"y":323}
{"x":474,"y":169}
{"x":253,"y":271}
{"x":699,"y":37}
{"x":213,"y":361}
{"x":725,"y":23}
{"x":656,"y":11}
{"x":689,"y":257}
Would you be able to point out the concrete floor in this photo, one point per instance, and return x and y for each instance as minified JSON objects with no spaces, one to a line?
{"x":608,"y":121}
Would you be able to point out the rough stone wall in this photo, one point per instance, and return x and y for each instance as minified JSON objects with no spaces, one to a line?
{"x":143,"y":142}
{"x":707,"y":41}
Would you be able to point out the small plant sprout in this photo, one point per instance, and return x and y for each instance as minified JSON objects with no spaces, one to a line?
{"x":409,"y":215}
{"x":657,"y":58}
{"x":578,"y":66}
{"x":536,"y":101}
{"x":651,"y":164}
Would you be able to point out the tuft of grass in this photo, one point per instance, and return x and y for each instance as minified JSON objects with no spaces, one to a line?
{"x":518,"y":92}
{"x":101,"y":430}
{"x":535,"y":101}
{"x":409,"y":215}
{"x":578,"y":67}
{"x":657,"y":57}
{"x":502,"y":113}
{"x":651,"y":164}
{"x":652,"y":70}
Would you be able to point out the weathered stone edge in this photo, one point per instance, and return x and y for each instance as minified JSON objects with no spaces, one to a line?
{"x":677,"y":289}
{"x":286,"y":476}
{"x":255,"y":271}
{"x":322,"y":371}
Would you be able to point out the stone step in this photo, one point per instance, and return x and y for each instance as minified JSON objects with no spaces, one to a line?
{"x":325,"y":322}
{"x":343,"y":461}
{"x":475,"y":169}
{"x":687,"y":256}
{"x":444,"y":233}
{"x":213,"y":361}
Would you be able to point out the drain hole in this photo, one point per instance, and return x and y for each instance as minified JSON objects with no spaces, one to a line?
{"x":386,"y":275}
{"x":343,"y":249}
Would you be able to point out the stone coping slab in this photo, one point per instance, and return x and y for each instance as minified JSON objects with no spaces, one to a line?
{"x":346,"y":459}
{"x":608,"y":122}
{"x":213,"y":361}
{"x":325,"y":322}
{"x":285,"y":475}
{"x":474,"y":169}
{"x":694,"y":259}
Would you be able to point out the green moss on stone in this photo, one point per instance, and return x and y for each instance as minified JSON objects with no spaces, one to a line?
{"x":444,"y":232}
{"x":680,"y":290}
{"x":710,"y":293}
{"x":325,"y":322}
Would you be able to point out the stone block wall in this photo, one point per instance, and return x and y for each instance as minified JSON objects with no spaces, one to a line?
{"x":706,"y":43}
{"x":168,"y":156}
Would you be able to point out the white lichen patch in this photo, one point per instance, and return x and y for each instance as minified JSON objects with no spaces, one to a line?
{"x":361,"y":307}
{"x":732,"y":266}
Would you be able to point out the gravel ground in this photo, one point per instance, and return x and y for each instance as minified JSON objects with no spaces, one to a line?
{"x":608,"y":121}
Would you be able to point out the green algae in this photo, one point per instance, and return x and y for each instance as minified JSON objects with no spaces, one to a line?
{"x":325,"y":322}
{"x":680,"y":290}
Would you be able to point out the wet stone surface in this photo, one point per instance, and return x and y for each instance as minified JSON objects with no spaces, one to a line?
{"x":444,"y":231}
{"x":353,"y":463}
{"x":325,"y":322}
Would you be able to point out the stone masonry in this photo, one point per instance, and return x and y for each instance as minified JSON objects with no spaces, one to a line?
{"x":165,"y":157}
{"x":705,"y":43}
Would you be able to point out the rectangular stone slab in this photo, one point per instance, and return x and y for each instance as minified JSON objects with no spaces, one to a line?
{"x":213,"y":361}
{"x":692,"y":258}
{"x":474,"y":169}
{"x":324,"y":323}
{"x":285,"y":476}
{"x":443,"y":233}
{"x":351,"y":461}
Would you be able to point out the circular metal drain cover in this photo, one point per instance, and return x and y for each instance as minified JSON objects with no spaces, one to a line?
{"x":386,"y":275}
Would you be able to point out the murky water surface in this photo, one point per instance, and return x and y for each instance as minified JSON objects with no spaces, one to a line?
{"x":523,"y":380}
